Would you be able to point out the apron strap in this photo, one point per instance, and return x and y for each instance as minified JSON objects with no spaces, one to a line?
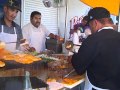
{"x":15,"y":30}
{"x":2,"y":29}
{"x":90,"y":86}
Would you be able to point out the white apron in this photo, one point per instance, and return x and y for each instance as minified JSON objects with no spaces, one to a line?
{"x":76,"y":42}
{"x":89,"y":86}
{"x":9,"y":39}
{"x":37,"y":40}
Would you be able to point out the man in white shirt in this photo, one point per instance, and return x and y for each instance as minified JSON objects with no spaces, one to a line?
{"x":35,"y":33}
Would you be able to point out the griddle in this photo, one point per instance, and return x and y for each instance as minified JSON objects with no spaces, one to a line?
{"x":11,"y":64}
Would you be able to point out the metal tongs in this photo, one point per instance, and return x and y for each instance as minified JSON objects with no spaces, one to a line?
{"x":21,"y":41}
{"x":69,"y":73}
{"x":9,"y":42}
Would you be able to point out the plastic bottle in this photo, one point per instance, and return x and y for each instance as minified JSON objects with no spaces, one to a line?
{"x":27,"y":83}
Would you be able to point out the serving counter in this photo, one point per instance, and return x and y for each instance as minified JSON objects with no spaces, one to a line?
{"x":42,"y":71}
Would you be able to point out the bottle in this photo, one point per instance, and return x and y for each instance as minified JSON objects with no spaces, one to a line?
{"x":27,"y":83}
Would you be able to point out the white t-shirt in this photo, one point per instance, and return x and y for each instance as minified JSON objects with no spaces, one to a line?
{"x":35,"y":37}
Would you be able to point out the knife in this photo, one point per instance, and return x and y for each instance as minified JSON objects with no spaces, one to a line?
{"x":69,"y":73}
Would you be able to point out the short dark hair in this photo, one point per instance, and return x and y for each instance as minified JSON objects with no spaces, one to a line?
{"x":34,"y":13}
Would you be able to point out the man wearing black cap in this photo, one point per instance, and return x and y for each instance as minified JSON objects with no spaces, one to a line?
{"x":10,"y":32}
{"x":99,"y":54}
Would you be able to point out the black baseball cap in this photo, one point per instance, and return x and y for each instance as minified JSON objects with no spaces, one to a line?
{"x":98,"y":13}
{"x":13,"y":4}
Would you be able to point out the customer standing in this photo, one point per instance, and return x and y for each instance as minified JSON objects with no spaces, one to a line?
{"x":99,"y":54}
{"x":10,"y":32}
{"x":83,"y":28}
{"x":81,"y":31}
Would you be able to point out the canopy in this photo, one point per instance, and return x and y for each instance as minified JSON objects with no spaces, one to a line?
{"x":111,"y":5}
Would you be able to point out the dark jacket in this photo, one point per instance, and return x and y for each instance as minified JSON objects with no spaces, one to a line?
{"x":99,"y":55}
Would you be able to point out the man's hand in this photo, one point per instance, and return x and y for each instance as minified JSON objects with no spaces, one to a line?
{"x":22,"y":41}
{"x":24,"y":47}
{"x":60,"y":39}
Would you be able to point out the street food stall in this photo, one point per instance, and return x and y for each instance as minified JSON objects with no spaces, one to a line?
{"x":46,"y":70}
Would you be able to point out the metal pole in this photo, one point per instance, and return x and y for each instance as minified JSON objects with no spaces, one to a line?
{"x":119,"y":20}
{"x":65,"y":21}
